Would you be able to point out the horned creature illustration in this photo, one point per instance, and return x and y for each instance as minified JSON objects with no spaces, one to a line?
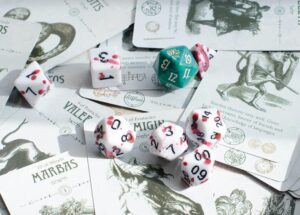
{"x":64,"y":31}
{"x":19,"y":153}
{"x":143,"y":183}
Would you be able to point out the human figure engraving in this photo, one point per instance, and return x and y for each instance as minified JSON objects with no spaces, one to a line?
{"x":227,"y":15}
{"x":262,"y":68}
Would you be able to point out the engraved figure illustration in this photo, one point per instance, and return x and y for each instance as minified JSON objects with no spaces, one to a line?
{"x":64,"y":31}
{"x":261,"y":68}
{"x":19,"y":153}
{"x":143,"y":183}
{"x":69,"y":207}
{"x":235,"y":204}
{"x":279,"y":204}
{"x":225,"y":15}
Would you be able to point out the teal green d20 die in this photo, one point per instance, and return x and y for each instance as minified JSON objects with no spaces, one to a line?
{"x":175,"y":67}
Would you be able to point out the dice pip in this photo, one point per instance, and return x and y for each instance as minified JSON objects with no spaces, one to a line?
{"x":114,"y":136}
{"x":197,"y":166}
{"x":105,"y":68}
{"x":205,"y":126}
{"x":33,"y":83}
{"x":175,"y":67}
{"x":202,"y":54}
{"x":168,"y":141}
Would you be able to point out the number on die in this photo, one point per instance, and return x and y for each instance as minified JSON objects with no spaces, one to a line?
{"x":205,"y":126}
{"x":168,"y":141}
{"x":105,"y":68}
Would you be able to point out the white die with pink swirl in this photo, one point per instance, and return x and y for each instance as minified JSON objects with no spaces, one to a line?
{"x":105,"y":68}
{"x":197,"y":166}
{"x":114,"y":136}
{"x":168,"y":141}
{"x":33,"y":83}
{"x":205,"y":126}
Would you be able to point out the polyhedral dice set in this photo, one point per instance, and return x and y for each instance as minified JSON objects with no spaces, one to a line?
{"x":115,"y":137}
{"x":175,"y":67}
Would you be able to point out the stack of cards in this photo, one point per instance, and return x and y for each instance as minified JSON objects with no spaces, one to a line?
{"x":51,"y":146}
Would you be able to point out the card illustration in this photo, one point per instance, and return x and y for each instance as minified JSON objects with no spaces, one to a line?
{"x":19,"y":153}
{"x":71,"y":206}
{"x":146,"y":179}
{"x":261,"y":68}
{"x":225,"y":16}
{"x":238,"y":204}
{"x":66,"y":33}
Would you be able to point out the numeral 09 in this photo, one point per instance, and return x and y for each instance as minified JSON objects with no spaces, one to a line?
{"x":201,"y":173}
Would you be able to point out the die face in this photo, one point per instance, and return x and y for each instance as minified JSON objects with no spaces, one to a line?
{"x":170,"y":76}
{"x":109,"y":78}
{"x":175,"y":67}
{"x":168,"y":141}
{"x":205,"y":126}
{"x":33,"y":83}
{"x":114,"y":136}
{"x":105,"y":59}
{"x":188,"y":68}
{"x":105,"y":68}
{"x":202,"y":54}
{"x":197,"y":165}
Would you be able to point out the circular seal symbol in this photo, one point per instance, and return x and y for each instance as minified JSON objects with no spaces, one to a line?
{"x":134,"y":99}
{"x":151,"y":8}
{"x":268,"y":148}
{"x":65,"y":130}
{"x":65,"y":190}
{"x":264,"y":166}
{"x":234,"y":157}
{"x":254,"y":143}
{"x":74,"y":11}
{"x":234,"y":136}
{"x":279,"y":10}
{"x":152,"y":26}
